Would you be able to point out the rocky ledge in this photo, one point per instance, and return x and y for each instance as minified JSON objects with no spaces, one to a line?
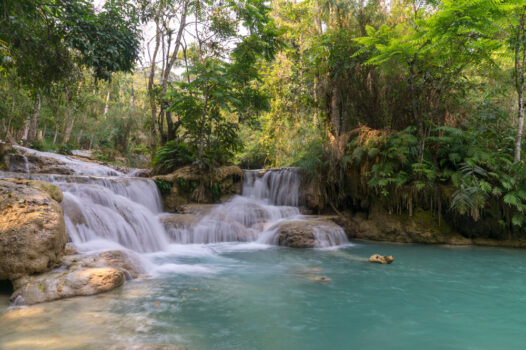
{"x":79,"y":275}
{"x":34,"y":255}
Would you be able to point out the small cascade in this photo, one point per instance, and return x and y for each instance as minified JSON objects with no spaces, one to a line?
{"x":268,"y":199}
{"x":109,"y":209}
{"x":26,"y":165}
{"x":329,"y":236}
{"x":74,"y":165}
{"x":275,"y":186}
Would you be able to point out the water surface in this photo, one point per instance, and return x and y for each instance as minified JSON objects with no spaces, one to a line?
{"x":250,"y":296}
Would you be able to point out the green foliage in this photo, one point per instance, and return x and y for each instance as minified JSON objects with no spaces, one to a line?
{"x":49,"y":40}
{"x":174,"y":154}
{"x":164,"y":186}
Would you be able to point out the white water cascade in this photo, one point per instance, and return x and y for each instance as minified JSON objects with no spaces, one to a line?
{"x":269,"y":198}
{"x":104,"y":209}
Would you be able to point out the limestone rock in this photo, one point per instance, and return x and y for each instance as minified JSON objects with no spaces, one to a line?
{"x":38,"y":165}
{"x":80,"y":275}
{"x":70,"y":249}
{"x":197,"y":209}
{"x":64,"y":284}
{"x":32,"y":229}
{"x":179,"y":220}
{"x":192,"y":185}
{"x":296,"y":234}
{"x":381,"y":259}
{"x":305,"y":233}
{"x":320,"y":279}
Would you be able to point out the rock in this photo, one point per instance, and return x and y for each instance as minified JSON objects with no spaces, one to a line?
{"x":64,"y":284}
{"x":123,"y":259}
{"x":320,"y":279}
{"x":80,"y":275}
{"x":146,"y":347}
{"x":197,"y":209}
{"x":174,"y":223}
{"x":38,"y":165}
{"x":306,"y":233}
{"x":421,"y":227}
{"x":192,"y":185}
{"x":5,"y":150}
{"x":32,"y":229}
{"x":381,"y":259}
{"x":178,"y":221}
{"x":70,"y":249}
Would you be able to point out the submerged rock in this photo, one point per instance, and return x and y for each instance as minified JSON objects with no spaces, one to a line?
{"x":32,"y":229}
{"x":381,"y":259}
{"x":146,"y":347}
{"x":80,"y":275}
{"x":320,"y":279}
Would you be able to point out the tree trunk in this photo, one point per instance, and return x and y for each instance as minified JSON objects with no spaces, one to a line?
{"x":34,"y":121}
{"x":66,"y":117}
{"x":69,"y":129}
{"x":151,"y":79}
{"x":203,"y":121}
{"x":171,"y":58}
{"x":107,"y":105}
{"x":56,"y":134}
{"x":520,"y":56}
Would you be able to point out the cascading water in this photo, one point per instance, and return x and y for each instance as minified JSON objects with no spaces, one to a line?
{"x":103,"y":210}
{"x":269,"y":198}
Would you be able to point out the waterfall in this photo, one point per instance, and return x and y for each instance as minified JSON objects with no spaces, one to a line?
{"x":103,"y":208}
{"x":269,"y":198}
{"x":275,"y":186}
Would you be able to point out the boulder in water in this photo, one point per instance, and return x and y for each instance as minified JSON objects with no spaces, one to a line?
{"x":309,"y":233}
{"x":32,"y":229}
{"x":381,"y":259}
{"x":81,"y":275}
{"x":320,"y":279}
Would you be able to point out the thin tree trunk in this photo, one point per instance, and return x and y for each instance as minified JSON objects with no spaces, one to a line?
{"x":34,"y":121}
{"x":151,"y":78}
{"x":69,"y":130}
{"x":56,"y":134}
{"x":66,"y":117}
{"x":107,"y":105}
{"x":172,"y":128}
{"x":132,"y":98}
{"x":203,"y":120}
{"x":520,"y":56}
